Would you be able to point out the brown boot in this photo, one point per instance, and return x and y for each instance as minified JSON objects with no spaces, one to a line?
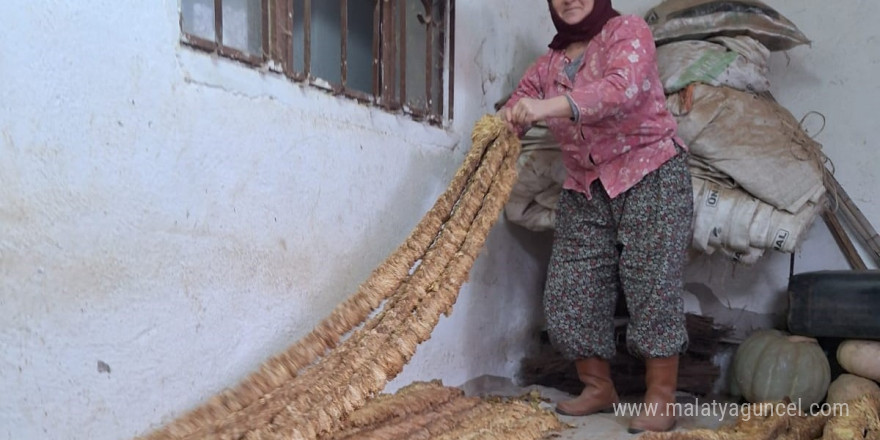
{"x":598,"y":394}
{"x":661,"y":377}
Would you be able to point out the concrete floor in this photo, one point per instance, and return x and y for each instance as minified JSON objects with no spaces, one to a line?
{"x":594,"y":427}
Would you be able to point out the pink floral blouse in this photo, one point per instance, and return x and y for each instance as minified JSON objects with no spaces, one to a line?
{"x":623,"y":130}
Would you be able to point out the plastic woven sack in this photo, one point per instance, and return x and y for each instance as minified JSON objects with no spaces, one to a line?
{"x":740,"y":63}
{"x":676,"y":20}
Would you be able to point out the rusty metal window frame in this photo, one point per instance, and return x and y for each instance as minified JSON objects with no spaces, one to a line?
{"x":389,"y":49}
{"x":217,"y":46}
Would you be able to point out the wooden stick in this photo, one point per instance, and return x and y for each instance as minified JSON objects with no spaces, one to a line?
{"x":856,"y":219}
{"x":843,"y":241}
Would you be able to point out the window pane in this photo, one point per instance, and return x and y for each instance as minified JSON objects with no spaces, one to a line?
{"x":416,"y":42}
{"x":360,"y":45}
{"x":299,"y":64}
{"x":424,"y":37}
{"x":242,"y":25}
{"x":437,"y":59}
{"x":198,"y":18}
{"x":327,"y":40}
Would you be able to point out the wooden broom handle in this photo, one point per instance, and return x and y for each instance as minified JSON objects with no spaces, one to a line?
{"x":855,"y":218}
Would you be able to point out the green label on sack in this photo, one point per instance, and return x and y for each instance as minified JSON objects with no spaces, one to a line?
{"x":705,"y":69}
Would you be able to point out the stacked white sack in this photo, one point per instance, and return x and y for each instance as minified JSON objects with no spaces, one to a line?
{"x":752,"y":139}
{"x":758,"y":178}
{"x":743,"y":227}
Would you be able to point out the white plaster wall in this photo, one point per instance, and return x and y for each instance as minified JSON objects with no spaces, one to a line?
{"x":168,"y":220}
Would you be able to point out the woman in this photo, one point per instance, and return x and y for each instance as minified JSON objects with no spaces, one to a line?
{"x":623,"y":219}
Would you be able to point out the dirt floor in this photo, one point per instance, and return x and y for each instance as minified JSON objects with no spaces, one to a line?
{"x":595,"y":427}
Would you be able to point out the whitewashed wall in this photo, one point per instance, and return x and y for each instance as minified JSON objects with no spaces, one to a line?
{"x":168,"y":220}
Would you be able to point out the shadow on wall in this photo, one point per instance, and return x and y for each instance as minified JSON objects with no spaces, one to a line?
{"x":503,"y":315}
{"x":524,"y":55}
{"x":744,"y":322}
{"x":538,"y":245}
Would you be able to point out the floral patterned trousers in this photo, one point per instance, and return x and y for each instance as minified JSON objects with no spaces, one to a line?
{"x":635,"y":243}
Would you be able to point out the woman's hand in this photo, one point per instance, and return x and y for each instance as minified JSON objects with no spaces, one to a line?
{"x":505,"y":115}
{"x":527,"y":111}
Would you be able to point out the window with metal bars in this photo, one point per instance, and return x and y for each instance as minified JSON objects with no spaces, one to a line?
{"x":391,"y":53}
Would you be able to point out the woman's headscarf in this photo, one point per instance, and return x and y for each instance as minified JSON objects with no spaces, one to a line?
{"x":589,"y":27}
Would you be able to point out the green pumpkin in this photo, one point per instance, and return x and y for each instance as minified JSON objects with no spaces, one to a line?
{"x":772,"y":365}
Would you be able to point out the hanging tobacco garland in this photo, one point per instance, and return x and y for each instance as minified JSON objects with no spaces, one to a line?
{"x":313,"y":388}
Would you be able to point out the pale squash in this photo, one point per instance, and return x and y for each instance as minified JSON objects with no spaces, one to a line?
{"x":861,"y":358}
{"x":771,"y":365}
{"x":849,"y":387}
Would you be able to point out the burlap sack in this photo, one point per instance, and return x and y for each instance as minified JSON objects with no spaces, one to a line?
{"x":532,"y":202}
{"x":754,"y":140}
{"x":677,"y":20}
{"x":702,"y":170}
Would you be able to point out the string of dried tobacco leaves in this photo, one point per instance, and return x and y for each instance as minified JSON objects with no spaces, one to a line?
{"x":313,"y":388}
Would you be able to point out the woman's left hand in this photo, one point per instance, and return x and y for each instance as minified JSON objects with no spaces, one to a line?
{"x":527,"y":111}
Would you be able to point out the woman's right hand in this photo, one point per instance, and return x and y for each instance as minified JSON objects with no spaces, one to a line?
{"x":507,"y":116}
